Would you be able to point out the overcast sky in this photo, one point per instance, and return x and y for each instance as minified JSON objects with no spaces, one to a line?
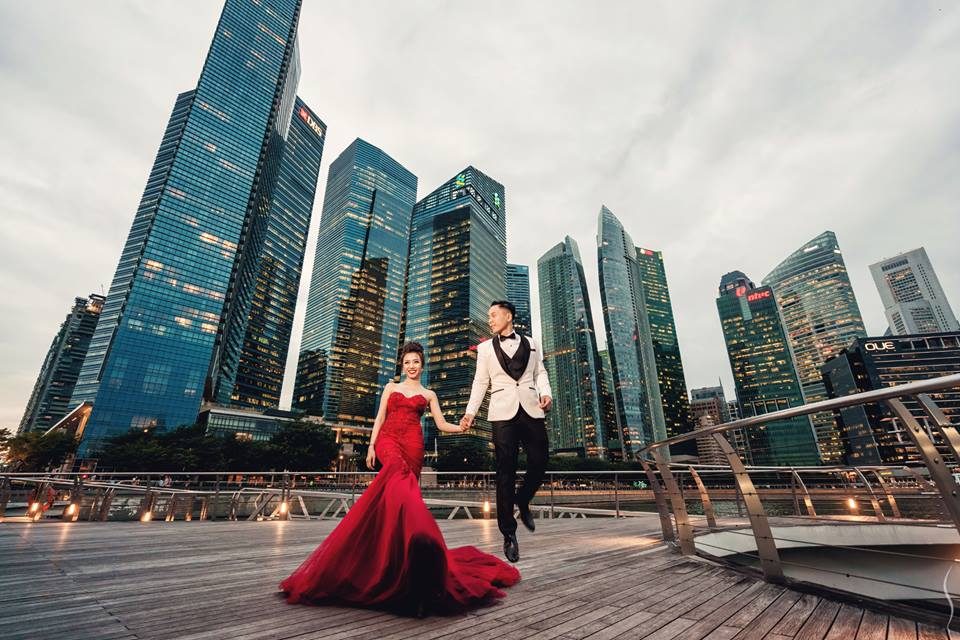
{"x":724,"y":134}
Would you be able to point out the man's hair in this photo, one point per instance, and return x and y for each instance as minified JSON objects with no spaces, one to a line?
{"x":505,"y":304}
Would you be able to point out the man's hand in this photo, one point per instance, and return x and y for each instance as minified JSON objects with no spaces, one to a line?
{"x":546,"y":402}
{"x":466,"y":421}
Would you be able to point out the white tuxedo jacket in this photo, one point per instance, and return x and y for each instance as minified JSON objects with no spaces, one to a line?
{"x":507,"y":394}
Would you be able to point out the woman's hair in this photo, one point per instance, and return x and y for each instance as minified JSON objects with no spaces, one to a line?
{"x":412,"y":347}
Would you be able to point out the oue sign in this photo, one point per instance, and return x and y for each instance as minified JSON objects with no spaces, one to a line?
{"x":886,"y":345}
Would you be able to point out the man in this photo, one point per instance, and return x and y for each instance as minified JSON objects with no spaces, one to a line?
{"x":513,"y":366}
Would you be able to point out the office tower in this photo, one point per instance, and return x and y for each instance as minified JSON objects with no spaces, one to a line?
{"x":669,"y":380}
{"x":871,"y":434}
{"x":608,"y":409}
{"x":173,"y":327}
{"x":821,"y":317}
{"x":50,"y":399}
{"x":458,"y":259}
{"x":267,"y":338}
{"x":763,"y":371}
{"x":351,"y":332}
{"x":619,"y":293}
{"x":912,"y":297}
{"x":518,"y":292}
{"x":575,"y":422}
{"x":709,"y":407}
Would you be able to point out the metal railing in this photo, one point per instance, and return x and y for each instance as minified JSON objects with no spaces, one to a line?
{"x":772,"y":505}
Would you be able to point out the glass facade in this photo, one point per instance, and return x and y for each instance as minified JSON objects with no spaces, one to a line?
{"x":172,"y":327}
{"x":351,"y":334}
{"x":608,"y":408}
{"x":575,"y":422}
{"x":669,"y":383}
{"x":763,"y":372}
{"x":267,"y":338}
{"x":821,"y":317}
{"x":458,"y":258}
{"x":872,"y":434}
{"x":518,"y":292}
{"x":50,"y":399}
{"x":629,"y":346}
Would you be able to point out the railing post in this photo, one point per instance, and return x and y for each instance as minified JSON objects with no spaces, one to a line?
{"x":704,"y":499}
{"x":666,"y":526}
{"x":216,"y":498}
{"x":939,"y":418}
{"x":873,"y":497}
{"x":552,"y":482}
{"x":807,"y":500}
{"x":931,"y":457}
{"x":616,"y":496}
{"x":285,"y":497}
{"x":684,"y":530}
{"x":4,"y":495}
{"x":890,"y":499}
{"x":766,"y":545}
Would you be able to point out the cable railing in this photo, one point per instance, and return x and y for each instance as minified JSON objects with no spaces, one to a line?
{"x":883,"y":532}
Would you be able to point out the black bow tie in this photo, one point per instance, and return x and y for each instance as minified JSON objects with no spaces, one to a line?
{"x":512,"y":336}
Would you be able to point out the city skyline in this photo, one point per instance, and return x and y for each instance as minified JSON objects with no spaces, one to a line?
{"x":111,"y":122}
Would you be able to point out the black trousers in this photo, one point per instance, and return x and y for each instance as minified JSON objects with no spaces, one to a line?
{"x":507,"y":435}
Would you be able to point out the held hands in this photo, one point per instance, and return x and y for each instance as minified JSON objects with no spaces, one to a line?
{"x":546,"y":402}
{"x":371,"y":457}
{"x":466,"y":422}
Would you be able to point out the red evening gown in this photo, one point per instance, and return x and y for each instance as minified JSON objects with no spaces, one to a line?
{"x":388,"y":551}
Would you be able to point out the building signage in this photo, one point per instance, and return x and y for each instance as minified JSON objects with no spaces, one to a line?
{"x":886,"y":345}
{"x":758,"y":295}
{"x":313,"y":124}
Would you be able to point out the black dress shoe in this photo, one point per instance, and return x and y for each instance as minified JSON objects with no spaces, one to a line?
{"x":526,"y":517}
{"x":511,"y":548}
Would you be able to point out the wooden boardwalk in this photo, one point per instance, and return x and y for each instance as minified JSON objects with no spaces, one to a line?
{"x":597,"y":578}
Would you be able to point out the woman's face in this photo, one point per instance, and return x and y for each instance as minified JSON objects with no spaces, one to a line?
{"x":412,"y":366}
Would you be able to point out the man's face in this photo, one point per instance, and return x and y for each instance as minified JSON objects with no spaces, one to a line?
{"x":498,"y":318}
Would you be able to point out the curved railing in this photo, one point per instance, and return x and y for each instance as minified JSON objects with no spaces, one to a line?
{"x":773,"y":519}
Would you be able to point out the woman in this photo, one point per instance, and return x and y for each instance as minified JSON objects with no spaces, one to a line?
{"x":388,"y":551}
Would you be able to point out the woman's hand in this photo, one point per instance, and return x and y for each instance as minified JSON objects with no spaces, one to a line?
{"x":371,"y":457}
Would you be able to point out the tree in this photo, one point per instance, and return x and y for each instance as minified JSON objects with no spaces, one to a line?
{"x":304,"y":446}
{"x":469,"y":454}
{"x":34,"y":451}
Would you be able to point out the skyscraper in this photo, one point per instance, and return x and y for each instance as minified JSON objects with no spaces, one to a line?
{"x":575,"y":422}
{"x":912,"y":297}
{"x":873,"y":434}
{"x":628,"y":337}
{"x":608,"y":407}
{"x":50,"y":399}
{"x":174,"y":323}
{"x":458,"y":258}
{"x":351,"y":334}
{"x":763,"y":371}
{"x":709,"y":407}
{"x":518,"y":292}
{"x":671,"y":387}
{"x":821,"y":317}
{"x":267,"y":337}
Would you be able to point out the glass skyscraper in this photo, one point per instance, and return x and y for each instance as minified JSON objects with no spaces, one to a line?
{"x":351,"y":334}
{"x":913,"y":299}
{"x":50,"y":399}
{"x":608,"y":406}
{"x":267,"y":337}
{"x":458,"y":259}
{"x":671,"y":386}
{"x":821,"y":318}
{"x":575,"y":422}
{"x":518,"y":292}
{"x":173,"y":328}
{"x":764,"y":372}
{"x":628,"y":337}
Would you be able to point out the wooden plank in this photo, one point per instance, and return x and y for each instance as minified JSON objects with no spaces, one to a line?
{"x":900,"y":629}
{"x":802,"y":609}
{"x":846,"y":623}
{"x":873,"y":626}
{"x":928,"y":632}
{"x":819,"y":622}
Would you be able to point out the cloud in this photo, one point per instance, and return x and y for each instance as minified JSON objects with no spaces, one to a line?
{"x":724,"y":135}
